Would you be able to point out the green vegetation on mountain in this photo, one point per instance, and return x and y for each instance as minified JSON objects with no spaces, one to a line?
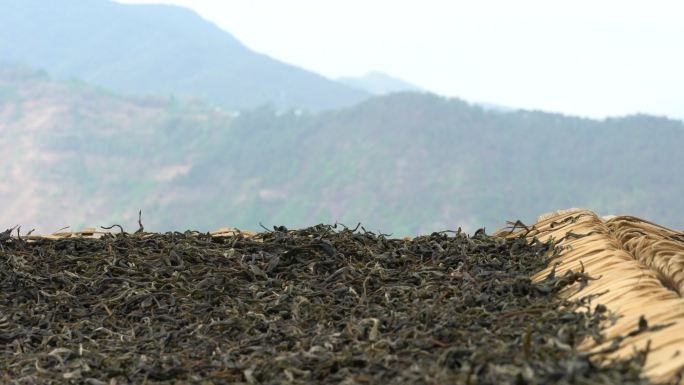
{"x":415,"y":163}
{"x":156,"y":49}
{"x":74,"y":155}
{"x":405,"y":163}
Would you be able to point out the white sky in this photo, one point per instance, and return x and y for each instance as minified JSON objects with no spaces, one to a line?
{"x":591,"y":58}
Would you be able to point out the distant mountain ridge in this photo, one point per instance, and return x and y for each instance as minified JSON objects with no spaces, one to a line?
{"x":378,"y":83}
{"x":156,"y":49}
{"x":406,"y":163}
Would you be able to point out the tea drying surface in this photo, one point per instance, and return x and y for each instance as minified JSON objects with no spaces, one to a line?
{"x":319,"y":305}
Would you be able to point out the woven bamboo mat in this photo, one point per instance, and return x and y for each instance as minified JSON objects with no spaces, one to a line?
{"x":638,"y":266}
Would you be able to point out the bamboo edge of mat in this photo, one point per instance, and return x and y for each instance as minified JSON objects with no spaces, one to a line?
{"x":631,"y":259}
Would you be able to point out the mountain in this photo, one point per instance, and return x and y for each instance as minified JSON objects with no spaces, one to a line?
{"x":414,"y":163}
{"x":156,"y":49}
{"x":73,"y":154}
{"x":378,"y":83}
{"x":405,"y":163}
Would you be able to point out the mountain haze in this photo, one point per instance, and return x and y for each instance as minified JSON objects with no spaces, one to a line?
{"x":404,"y":163}
{"x":156,"y":49}
{"x":378,"y":83}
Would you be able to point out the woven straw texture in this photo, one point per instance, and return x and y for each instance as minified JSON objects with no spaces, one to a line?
{"x":638,"y":266}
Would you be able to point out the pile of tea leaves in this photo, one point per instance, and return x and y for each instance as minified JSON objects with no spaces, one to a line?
{"x":325,"y":305}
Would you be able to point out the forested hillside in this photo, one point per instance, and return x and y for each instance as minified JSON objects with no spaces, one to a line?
{"x":413,"y":163}
{"x":73,"y":154}
{"x":404,"y":163}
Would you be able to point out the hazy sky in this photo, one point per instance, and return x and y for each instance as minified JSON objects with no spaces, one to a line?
{"x":592,"y":58}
